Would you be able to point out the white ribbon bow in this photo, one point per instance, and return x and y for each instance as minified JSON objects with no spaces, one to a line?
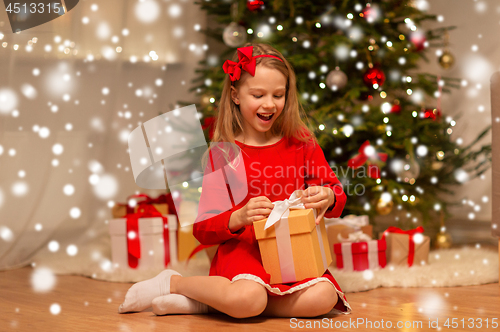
{"x":357,"y":236}
{"x":353,"y":221}
{"x":282,"y":209}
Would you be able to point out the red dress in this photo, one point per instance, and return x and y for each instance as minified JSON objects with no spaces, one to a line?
{"x":274,"y":171}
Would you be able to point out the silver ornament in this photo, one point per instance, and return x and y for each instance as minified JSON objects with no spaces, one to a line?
{"x":234,"y":35}
{"x":411,"y":170}
{"x":336,"y":79}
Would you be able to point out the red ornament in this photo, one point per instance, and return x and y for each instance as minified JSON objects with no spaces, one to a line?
{"x":432,"y":114}
{"x":365,"y":96}
{"x":254,"y":5}
{"x":374,"y":76}
{"x":396,"y":109}
{"x":371,"y":13}
{"x":418,"y":39}
{"x":209,"y":123}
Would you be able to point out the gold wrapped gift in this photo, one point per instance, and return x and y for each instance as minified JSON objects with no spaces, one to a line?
{"x":294,"y":248}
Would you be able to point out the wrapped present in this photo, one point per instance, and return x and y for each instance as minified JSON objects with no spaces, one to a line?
{"x":161,"y":204}
{"x":360,"y":256}
{"x":406,"y":247}
{"x":186,"y":240}
{"x":292,"y":246}
{"x":144,"y":240}
{"x":339,"y":229}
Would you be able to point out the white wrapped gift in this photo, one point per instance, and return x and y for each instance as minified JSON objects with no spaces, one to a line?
{"x":152,"y":250}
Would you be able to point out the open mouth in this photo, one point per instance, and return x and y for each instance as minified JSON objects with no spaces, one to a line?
{"x":265,"y":117}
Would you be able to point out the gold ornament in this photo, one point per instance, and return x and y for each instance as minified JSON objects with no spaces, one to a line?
{"x":443,"y":239}
{"x":437,"y":165}
{"x":446,"y":60}
{"x":384,"y":207}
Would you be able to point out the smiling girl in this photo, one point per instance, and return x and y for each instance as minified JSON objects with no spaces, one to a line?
{"x":260,"y":113}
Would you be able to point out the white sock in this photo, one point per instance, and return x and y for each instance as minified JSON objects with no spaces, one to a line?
{"x":141,"y":294}
{"x":178,"y":304}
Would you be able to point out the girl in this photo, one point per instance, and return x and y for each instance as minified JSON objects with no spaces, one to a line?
{"x":260,"y":113}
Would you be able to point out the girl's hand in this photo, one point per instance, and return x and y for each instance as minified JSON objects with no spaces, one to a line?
{"x":257,"y":208}
{"x":318,"y":197}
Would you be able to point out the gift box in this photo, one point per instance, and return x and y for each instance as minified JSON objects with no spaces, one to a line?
{"x":160,"y":203}
{"x":338,"y":230}
{"x":151,"y":244}
{"x":406,"y":247}
{"x":121,"y":210}
{"x":294,"y":248}
{"x":187,"y":242}
{"x":360,"y":256}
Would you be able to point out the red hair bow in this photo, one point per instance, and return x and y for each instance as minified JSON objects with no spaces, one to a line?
{"x":246,"y":61}
{"x":362,"y":157}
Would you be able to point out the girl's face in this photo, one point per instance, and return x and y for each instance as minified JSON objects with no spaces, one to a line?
{"x":261,"y":99}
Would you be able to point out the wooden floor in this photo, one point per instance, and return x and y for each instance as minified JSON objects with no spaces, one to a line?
{"x":88,"y":304}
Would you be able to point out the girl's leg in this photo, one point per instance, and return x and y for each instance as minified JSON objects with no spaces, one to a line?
{"x":241,"y":299}
{"x":141,"y":294}
{"x":313,"y":301}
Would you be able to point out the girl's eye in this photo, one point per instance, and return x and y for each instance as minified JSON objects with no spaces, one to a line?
{"x":261,"y":96}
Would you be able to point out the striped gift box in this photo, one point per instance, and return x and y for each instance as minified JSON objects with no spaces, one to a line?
{"x":360,"y":256}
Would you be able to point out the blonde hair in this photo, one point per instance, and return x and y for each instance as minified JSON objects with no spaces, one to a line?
{"x":292,"y":120}
{"x":229,"y":121}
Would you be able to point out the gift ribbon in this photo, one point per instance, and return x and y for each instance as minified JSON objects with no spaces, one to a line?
{"x":357,"y":236}
{"x":411,"y":243}
{"x":198,"y":248}
{"x":146,"y":200}
{"x":133,"y":241}
{"x":373,"y":262}
{"x":372,"y":255}
{"x":279,"y":218}
{"x":362,"y":157}
{"x":347,"y":258}
{"x":350,"y":221}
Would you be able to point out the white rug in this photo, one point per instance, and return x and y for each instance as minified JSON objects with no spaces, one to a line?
{"x":94,"y":260}
{"x":447,"y":267}
{"x":452,"y":267}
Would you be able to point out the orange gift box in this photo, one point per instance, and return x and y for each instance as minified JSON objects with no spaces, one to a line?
{"x":186,"y":242}
{"x":294,"y":248}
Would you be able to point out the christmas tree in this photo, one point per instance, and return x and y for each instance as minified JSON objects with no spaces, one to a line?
{"x":377,"y":118}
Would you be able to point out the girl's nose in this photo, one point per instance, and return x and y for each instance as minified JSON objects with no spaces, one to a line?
{"x":268,"y":103}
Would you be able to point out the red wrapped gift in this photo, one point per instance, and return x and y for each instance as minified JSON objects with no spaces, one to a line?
{"x":360,"y":256}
